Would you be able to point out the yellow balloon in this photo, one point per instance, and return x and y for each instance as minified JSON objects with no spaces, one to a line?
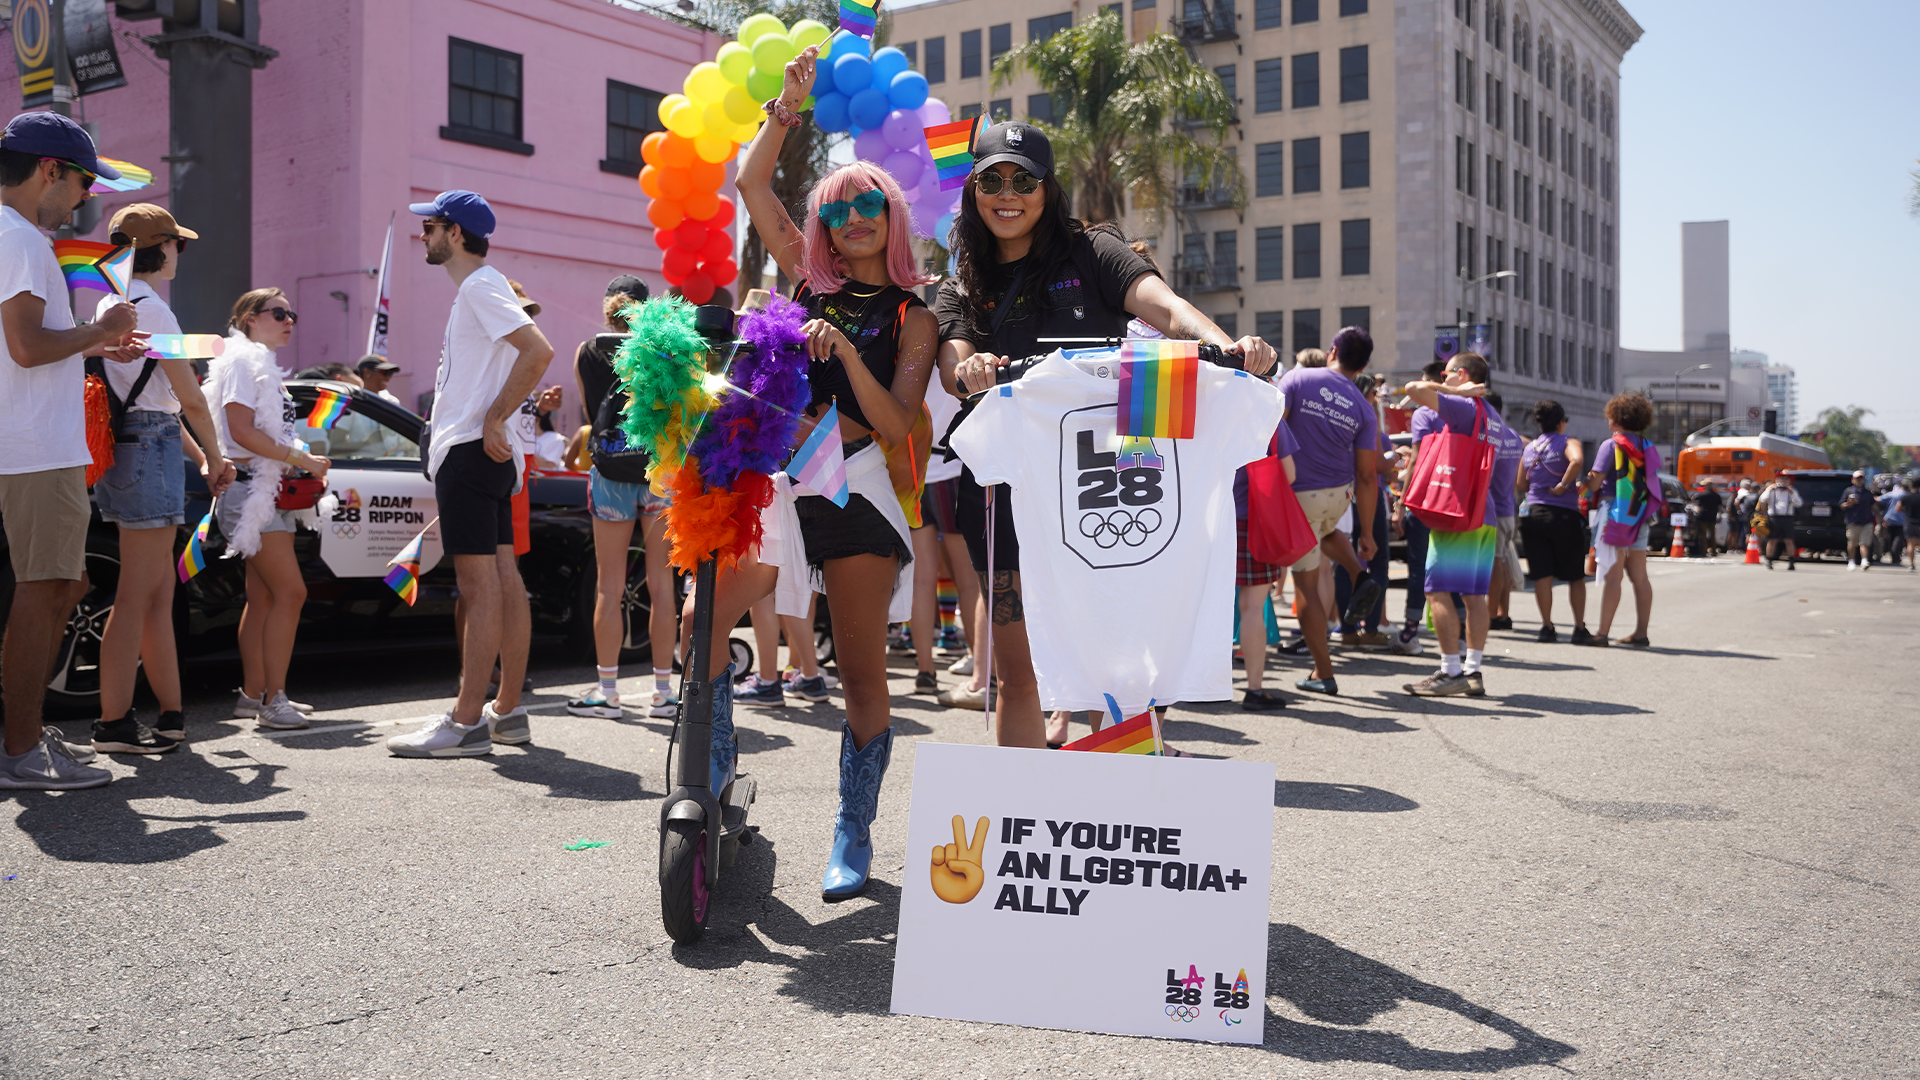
{"x":745,"y":132}
{"x":666,"y":107}
{"x":713,"y":148}
{"x":808,"y":32}
{"x":685,"y":120}
{"x":736,"y":62}
{"x":705,"y":84}
{"x":740,"y":108}
{"x":714,"y":119}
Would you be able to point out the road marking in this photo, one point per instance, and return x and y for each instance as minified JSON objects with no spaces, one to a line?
{"x":1811,"y":614}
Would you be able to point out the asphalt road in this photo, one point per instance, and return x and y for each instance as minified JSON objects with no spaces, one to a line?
{"x":1697,"y":861}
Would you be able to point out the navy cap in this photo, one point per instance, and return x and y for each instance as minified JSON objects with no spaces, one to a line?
{"x":1022,"y":144}
{"x":52,"y":135}
{"x":463,"y":208}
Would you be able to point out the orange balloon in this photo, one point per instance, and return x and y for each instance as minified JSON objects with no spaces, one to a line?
{"x":650,"y":147}
{"x":650,"y":181}
{"x":676,"y":151}
{"x":665,"y":213}
{"x":707,"y":175}
{"x":702,"y":205}
{"x":675,"y":184}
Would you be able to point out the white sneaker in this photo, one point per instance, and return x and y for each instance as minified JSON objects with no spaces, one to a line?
{"x":279,"y":714}
{"x":444,"y":738}
{"x":592,"y":704}
{"x":962,"y":666}
{"x":510,"y":727}
{"x":663,"y":706}
{"x":1407,"y":642}
{"x":49,"y":767}
{"x":247,"y":707}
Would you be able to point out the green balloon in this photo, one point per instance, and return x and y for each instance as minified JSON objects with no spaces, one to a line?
{"x":772,"y":51}
{"x":753,"y":27}
{"x":808,"y":32}
{"x":763,"y":87}
{"x":736,"y":62}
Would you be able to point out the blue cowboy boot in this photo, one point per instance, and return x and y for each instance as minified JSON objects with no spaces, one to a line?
{"x":860,"y":774}
{"x":725,"y":755}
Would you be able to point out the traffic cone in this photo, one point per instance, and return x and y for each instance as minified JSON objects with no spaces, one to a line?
{"x":1678,"y":550}
{"x":1753,"y":550}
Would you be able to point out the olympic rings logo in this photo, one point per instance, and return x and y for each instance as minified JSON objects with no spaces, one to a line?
{"x":346,"y":530}
{"x":1186,"y":1014}
{"x":1120,"y":526}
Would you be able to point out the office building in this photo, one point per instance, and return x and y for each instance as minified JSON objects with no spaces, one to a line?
{"x":1392,"y":151}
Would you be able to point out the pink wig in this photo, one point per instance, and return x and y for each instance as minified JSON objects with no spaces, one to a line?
{"x":826,"y":271}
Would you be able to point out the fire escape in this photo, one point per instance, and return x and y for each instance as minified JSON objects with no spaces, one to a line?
{"x":1196,"y":268}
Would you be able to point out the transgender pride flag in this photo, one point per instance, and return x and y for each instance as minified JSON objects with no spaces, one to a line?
{"x":820,"y":465}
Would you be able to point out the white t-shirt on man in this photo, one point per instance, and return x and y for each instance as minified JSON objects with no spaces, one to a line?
{"x":1126,"y":547}
{"x":475,"y":361}
{"x":43,"y":421}
{"x":155,"y":318}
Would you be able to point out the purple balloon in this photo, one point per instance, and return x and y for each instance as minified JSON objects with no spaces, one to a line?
{"x":930,"y":187}
{"x":934,"y":113}
{"x":871,"y":145}
{"x":903,"y":130}
{"x":925,"y":218}
{"x":906,"y":169}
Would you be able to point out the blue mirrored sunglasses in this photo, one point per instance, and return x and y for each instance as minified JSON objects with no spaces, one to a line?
{"x":868,"y":204}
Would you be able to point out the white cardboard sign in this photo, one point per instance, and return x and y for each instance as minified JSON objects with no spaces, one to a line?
{"x":378,"y":513}
{"x":1093,"y":892}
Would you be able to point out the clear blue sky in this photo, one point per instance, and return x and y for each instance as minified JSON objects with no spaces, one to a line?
{"x":1797,"y":123}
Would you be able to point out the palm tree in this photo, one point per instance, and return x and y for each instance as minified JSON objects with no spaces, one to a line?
{"x":1128,"y":116}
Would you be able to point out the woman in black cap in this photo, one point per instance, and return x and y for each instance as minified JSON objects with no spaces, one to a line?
{"x":1030,"y":271}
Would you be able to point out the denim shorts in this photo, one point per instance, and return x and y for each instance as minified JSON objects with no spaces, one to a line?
{"x":147,"y":486}
{"x":615,"y":500}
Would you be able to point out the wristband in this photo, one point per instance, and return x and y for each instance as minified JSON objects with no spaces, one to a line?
{"x":780,"y":113}
{"x":292,"y":455}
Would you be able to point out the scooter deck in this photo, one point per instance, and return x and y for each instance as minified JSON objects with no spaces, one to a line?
{"x":735,"y":802}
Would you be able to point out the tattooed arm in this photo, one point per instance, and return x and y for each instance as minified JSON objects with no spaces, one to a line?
{"x":1006,"y":604}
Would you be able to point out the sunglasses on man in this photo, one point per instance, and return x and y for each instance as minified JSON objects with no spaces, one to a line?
{"x":1024,"y":183}
{"x":84,"y":174}
{"x":868,"y":204}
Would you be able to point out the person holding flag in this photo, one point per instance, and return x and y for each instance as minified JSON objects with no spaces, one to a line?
{"x":144,"y":491}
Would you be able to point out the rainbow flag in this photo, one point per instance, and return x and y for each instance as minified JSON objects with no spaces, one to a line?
{"x":947,"y":595}
{"x":194,"y":559}
{"x":132,"y":178}
{"x":952,"y":148}
{"x":117,"y":269}
{"x":186,"y":346}
{"x":820,"y":465}
{"x":403,"y":573}
{"x":79,"y":261}
{"x":1159,"y":382}
{"x":857,"y":16}
{"x":327,"y":407}
{"x":1135,"y":736}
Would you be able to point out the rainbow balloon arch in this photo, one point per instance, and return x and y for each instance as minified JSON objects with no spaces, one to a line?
{"x":874,"y":95}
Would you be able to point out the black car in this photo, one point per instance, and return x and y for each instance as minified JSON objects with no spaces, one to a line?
{"x":1821,"y":526}
{"x":380,"y":499}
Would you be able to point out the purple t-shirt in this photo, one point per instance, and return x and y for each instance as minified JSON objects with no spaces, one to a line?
{"x":1545,"y":461}
{"x":1458,"y":415}
{"x":1506,"y":464}
{"x":1330,"y":419}
{"x":1281,"y":446}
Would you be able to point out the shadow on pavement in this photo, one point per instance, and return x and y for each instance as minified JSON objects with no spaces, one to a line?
{"x":565,"y":777}
{"x":1572,"y":706}
{"x":1349,"y":798}
{"x":1343,"y":990}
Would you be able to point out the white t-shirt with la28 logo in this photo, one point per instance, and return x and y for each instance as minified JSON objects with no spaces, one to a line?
{"x":1126,"y":544}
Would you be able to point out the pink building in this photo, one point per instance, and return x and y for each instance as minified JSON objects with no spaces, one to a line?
{"x":373,"y":104}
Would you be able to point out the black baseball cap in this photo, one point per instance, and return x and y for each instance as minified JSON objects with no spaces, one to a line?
{"x":629,"y":284}
{"x":463,"y":208}
{"x":1022,"y":144}
{"x":376,"y":362}
{"x":52,"y":135}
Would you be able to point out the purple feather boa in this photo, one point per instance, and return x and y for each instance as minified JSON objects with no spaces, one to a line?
{"x":754,"y":431}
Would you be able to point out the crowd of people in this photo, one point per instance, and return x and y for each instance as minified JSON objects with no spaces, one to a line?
{"x":1874,"y":513}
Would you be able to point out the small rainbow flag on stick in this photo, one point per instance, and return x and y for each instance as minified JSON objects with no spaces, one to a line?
{"x":1159,"y":382}
{"x":403,"y":570}
{"x":820,"y":465}
{"x":117,"y":268}
{"x":194,"y":559}
{"x":78,"y":261}
{"x":186,"y":346}
{"x":1140,"y":735}
{"x":327,"y":407}
{"x":858,"y":16}
{"x":132,"y":178}
{"x":952,"y":148}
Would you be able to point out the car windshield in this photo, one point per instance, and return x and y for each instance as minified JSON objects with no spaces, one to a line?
{"x":1821,"y":489}
{"x":353,"y":436}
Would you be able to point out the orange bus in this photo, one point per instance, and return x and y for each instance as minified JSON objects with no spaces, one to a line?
{"x":1727,"y":460}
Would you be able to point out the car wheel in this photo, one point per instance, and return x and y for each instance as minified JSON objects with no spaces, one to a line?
{"x":76,"y":673}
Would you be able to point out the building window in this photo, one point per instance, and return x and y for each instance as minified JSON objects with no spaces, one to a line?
{"x":1546,"y":356}
{"x":1226,"y":262}
{"x":1606,"y":179}
{"x":1353,"y":73}
{"x":1567,"y":371}
{"x":1353,"y":7}
{"x":1473,"y":267}
{"x":1266,"y":14}
{"x":1586,"y":232}
{"x":1587,"y":372}
{"x":1459,"y":77}
{"x":633,"y":113}
{"x":1496,"y":183}
{"x":1523,"y":265}
{"x":483,"y":97}
{"x":1497,"y":101}
{"x":1306,"y":165}
{"x":1228,"y":322}
{"x":1269,"y":169}
{"x":935,"y":69}
{"x":999,"y":42}
{"x":1606,"y":116}
{"x":1269,"y":253}
{"x":1569,"y":299}
{"x":1046,"y":26}
{"x":1523,"y":350}
{"x":1040,"y":108}
{"x":1566,"y":150}
{"x":970,"y":56}
{"x":1001,"y":111}
{"x":1473,"y":170}
{"x":1606,"y":371}
{"x":1356,"y":249}
{"x":1361,"y":317}
{"x":1493,"y":100}
{"x":1546,"y":284}
{"x":1523,"y":120}
{"x":1523,"y":196}
{"x":1500,"y":344}
{"x":968,"y":112}
{"x":1606,"y":309}
{"x":1306,"y":251}
{"x":1306,"y":329}
{"x":1546,"y":135}
{"x":1523,"y":44}
{"x":1546,"y":209}
{"x":1306,"y":80}
{"x":1271,"y":327}
{"x":1306,"y":11}
{"x":912,"y":49}
{"x":1355,"y":160}
{"x":1606,"y":244}
{"x":1589,"y":302}
{"x":1459,"y":163}
{"x":1473,"y":95}
{"x":1269,"y":85}
{"x":1229,"y":75}
{"x":1566,"y":223}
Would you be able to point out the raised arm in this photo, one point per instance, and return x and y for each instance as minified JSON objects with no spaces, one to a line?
{"x":755,"y":179}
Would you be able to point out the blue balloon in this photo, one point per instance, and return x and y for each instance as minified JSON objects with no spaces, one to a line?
{"x":852,"y":74}
{"x":830,"y":111}
{"x":845,"y":44}
{"x":908,"y":90}
{"x":887,"y":63}
{"x":868,"y":108}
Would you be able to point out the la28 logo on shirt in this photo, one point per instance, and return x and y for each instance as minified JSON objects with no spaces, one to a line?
{"x":1119,"y":496}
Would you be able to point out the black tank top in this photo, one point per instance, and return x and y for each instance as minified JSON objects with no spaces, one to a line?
{"x":872,"y":324}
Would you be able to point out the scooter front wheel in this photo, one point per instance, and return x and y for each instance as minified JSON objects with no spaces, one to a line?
{"x":684,"y":899}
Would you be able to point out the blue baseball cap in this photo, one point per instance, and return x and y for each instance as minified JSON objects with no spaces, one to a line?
{"x":463,"y":208}
{"x":52,"y":135}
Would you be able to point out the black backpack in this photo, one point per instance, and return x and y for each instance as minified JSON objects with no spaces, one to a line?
{"x":97,"y":366}
{"x":612,"y":456}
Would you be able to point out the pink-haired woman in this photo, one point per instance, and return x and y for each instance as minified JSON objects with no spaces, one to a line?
{"x":872,"y":342}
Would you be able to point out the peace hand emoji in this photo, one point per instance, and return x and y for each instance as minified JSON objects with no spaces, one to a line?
{"x":957,"y":873}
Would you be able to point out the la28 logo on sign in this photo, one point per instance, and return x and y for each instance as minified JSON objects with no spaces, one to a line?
{"x":1186,"y":996}
{"x":1119,"y":495}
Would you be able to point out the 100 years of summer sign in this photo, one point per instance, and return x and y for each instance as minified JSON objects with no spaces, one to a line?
{"x":1095,"y":892}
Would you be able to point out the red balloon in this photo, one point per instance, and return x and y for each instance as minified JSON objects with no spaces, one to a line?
{"x":665,"y":213}
{"x":722,"y":271}
{"x":706,"y":175}
{"x":663,"y":238}
{"x":721,"y":217}
{"x":691,"y":235}
{"x":676,"y":264}
{"x":702,"y":205}
{"x":697,"y":287}
{"x":719,"y":246}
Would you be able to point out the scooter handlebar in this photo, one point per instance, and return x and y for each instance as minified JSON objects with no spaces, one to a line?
{"x":1210,"y":353}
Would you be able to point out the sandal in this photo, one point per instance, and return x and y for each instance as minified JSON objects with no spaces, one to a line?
{"x":1637,"y":642}
{"x":1597,"y":641}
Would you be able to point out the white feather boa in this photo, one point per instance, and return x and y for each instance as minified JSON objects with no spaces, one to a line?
{"x":230,"y":378}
